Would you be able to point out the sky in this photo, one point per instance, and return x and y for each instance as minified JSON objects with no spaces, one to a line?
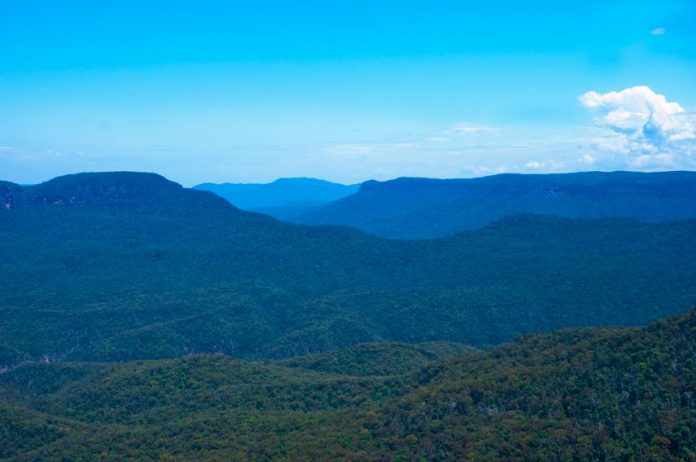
{"x":214,"y":91}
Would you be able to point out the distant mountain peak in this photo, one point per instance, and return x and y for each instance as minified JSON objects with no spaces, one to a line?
{"x":131,"y":189}
{"x":284,"y":196}
{"x":305,"y":180}
{"x":102,"y":188}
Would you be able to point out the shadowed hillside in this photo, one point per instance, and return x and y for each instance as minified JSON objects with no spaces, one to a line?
{"x":120,"y":266}
{"x":417,"y":208}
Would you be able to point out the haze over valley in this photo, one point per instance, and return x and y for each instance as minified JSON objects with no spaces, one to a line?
{"x":361,"y":231}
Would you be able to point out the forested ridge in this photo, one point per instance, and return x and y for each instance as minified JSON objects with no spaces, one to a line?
{"x":579,"y":394}
{"x":140,"y":320}
{"x":348,"y":231}
{"x":422,"y":208}
{"x":121,"y":266}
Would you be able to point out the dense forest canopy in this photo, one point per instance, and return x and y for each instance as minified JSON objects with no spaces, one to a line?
{"x":583,"y":394}
{"x":417,"y":208}
{"x":372,"y":235}
{"x":119,"y":266}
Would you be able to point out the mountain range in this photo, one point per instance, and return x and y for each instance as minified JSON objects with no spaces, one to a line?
{"x":140,"y":320}
{"x":284,"y":198}
{"x":581,"y":394}
{"x":123,"y":266}
{"x":421,"y":208}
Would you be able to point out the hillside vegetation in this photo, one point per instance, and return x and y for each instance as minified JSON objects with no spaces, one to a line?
{"x":122,"y":266}
{"x":418,"y":208}
{"x":583,"y":394}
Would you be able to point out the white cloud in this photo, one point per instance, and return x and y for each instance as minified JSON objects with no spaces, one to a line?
{"x":351,"y":149}
{"x":658,"y":31}
{"x":588,"y":159}
{"x":639,"y":110}
{"x":471,"y":129}
{"x":438,"y":139}
{"x":653,"y":161}
{"x":547,"y":165}
{"x":367,"y":150}
{"x":644,"y":123}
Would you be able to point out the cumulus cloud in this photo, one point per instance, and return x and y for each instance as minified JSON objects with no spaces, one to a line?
{"x":641,"y":111}
{"x":645,"y":124}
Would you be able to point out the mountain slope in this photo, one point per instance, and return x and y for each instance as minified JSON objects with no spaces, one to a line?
{"x":593,"y":394}
{"x":585,"y":394}
{"x":416,"y":208}
{"x":127,"y":266}
{"x":283,"y":198}
{"x":377,"y":358}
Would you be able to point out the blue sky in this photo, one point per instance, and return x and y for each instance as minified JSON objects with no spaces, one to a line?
{"x":345,"y":90}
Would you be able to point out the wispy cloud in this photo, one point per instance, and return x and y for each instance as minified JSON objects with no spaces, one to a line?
{"x":471,"y":129}
{"x":588,"y":159}
{"x":366,"y":150}
{"x":658,"y":31}
{"x":546,"y":165}
{"x":634,"y":128}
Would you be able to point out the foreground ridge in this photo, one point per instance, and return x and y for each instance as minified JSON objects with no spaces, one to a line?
{"x":583,"y":394}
